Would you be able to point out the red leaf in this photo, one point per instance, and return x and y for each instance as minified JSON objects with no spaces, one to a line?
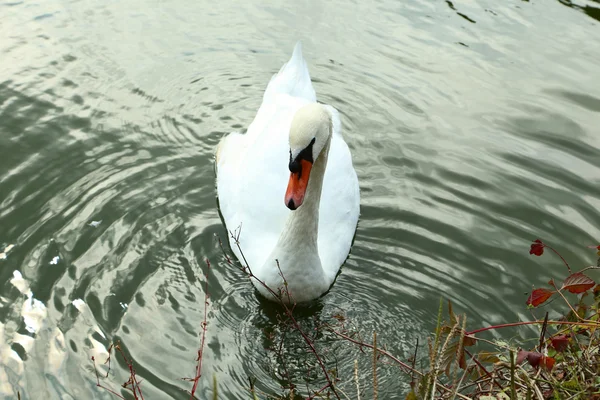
{"x":539,"y":296}
{"x":548,"y":362}
{"x":537,"y":247}
{"x":578,"y":283}
{"x":521,"y":356}
{"x":469,"y":341}
{"x":462,"y":361}
{"x":534,"y":358}
{"x":560,"y":342}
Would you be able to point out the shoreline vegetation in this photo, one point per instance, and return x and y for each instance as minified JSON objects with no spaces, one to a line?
{"x":561,"y":362}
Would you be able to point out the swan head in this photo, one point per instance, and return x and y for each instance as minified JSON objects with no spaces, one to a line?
{"x":309,"y":134}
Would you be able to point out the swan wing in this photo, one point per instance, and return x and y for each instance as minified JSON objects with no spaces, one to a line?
{"x":340,"y":203}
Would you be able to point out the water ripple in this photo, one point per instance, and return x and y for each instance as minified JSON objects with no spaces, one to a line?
{"x":469,"y":142}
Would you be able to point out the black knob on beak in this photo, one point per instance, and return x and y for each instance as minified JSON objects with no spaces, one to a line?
{"x":295,"y":166}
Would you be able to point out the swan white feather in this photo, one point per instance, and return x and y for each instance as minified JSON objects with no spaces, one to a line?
{"x":252,"y":176}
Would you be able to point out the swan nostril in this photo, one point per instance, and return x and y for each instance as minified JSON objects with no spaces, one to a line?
{"x":291,"y":204}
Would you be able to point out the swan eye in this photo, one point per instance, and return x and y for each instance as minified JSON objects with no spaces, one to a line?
{"x":306,"y":154}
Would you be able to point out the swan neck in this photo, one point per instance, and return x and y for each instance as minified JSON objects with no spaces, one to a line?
{"x":302,"y":224}
{"x":297,"y":251}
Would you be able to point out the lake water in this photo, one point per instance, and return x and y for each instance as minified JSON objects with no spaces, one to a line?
{"x":474,"y":129}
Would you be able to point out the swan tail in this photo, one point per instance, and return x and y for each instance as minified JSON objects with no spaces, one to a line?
{"x":293,"y":78}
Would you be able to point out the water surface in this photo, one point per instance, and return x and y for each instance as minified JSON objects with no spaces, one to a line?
{"x":473,"y":128}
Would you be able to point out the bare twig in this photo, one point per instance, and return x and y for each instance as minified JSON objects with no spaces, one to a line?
{"x":561,"y":257}
{"x":318,"y":392}
{"x":289,"y":311}
{"x":286,"y":289}
{"x":521,"y":323}
{"x":375,"y":389}
{"x":98,"y":384}
{"x":202,"y":341}
{"x":407,"y":367}
{"x":109,"y":350}
{"x":414,"y":362}
{"x":133,"y":381}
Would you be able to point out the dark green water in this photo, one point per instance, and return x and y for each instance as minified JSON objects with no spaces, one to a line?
{"x":474,"y":127}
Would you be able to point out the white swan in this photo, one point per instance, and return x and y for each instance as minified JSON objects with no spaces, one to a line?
{"x":290,"y":184}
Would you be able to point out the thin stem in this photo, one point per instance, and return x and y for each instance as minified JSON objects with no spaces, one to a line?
{"x":414,"y":362}
{"x":559,"y":291}
{"x":482,"y":367}
{"x":356,"y":379}
{"x":513,"y":390}
{"x":589,"y":267}
{"x":375,"y":388}
{"x":108,"y":359}
{"x":285,"y":284}
{"x":135,"y":385}
{"x":407,"y":367}
{"x":543,"y":333}
{"x":561,"y":257}
{"x":102,"y":386}
{"x":487,"y":328}
{"x":204,"y":324}
{"x":314,"y":351}
{"x":318,"y":392}
{"x":252,"y":389}
{"x":457,"y":386}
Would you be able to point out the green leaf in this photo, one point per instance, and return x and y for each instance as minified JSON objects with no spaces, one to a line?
{"x":411,"y":395}
{"x":488,"y":357}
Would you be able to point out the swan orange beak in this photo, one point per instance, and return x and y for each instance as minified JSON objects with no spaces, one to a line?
{"x":294,"y":195}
